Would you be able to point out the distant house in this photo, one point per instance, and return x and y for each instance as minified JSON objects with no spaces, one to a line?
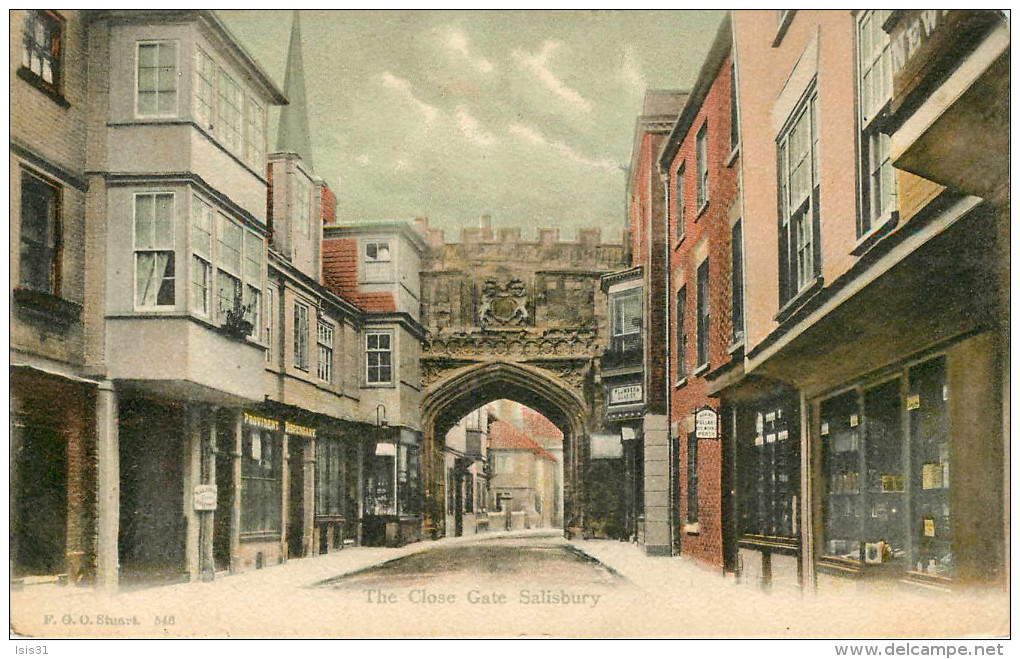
{"x":523,"y":476}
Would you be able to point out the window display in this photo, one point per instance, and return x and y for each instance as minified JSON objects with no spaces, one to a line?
{"x":929,"y":453}
{"x":380,"y":481}
{"x":261,"y":469}
{"x":772,"y":456}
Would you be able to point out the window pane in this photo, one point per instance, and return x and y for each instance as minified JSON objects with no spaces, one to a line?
{"x":200,"y":272}
{"x":144,"y":229}
{"x":163,"y":220}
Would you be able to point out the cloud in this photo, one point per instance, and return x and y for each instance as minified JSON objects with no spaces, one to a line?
{"x":469,"y":126}
{"x":631,"y":69}
{"x":362,"y":160}
{"x":457,"y":41}
{"x":537,"y":65}
{"x":404,"y":88}
{"x":536,"y":138}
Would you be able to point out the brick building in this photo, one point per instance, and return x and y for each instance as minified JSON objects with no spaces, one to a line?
{"x":877,"y":301}
{"x":633,"y":371}
{"x":700,"y":161}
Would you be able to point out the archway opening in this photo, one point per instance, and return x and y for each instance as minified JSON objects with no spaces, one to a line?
{"x":503,"y":470}
{"x":550,"y":404}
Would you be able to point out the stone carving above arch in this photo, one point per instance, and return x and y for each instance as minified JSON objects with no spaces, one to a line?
{"x":504,"y":305}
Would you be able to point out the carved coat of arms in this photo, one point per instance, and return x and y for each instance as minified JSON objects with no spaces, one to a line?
{"x":503,"y":304}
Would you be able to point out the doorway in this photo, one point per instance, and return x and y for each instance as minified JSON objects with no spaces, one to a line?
{"x":225,"y":442}
{"x":39,"y":508}
{"x":296,"y":506}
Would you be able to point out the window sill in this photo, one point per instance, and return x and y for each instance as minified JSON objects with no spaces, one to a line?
{"x":261,"y":536}
{"x":379,"y":385}
{"x":783,"y":27}
{"x":50,"y":308}
{"x":737,"y":344}
{"x":800,"y":299}
{"x":679,"y":241}
{"x":43,"y":86}
{"x":885,"y":225}
{"x":692,"y":528}
{"x":730,"y":159}
{"x":679,"y":384}
{"x":701,"y":211}
{"x":700,"y":369}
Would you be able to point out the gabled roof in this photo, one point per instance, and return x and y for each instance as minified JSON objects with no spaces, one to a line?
{"x":340,"y":275}
{"x":503,"y":435}
{"x":541,"y":429}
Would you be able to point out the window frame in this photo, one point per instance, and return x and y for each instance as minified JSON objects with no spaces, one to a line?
{"x":681,"y":214}
{"x":701,"y":167}
{"x":177,"y":70}
{"x":301,"y":337}
{"x":763,"y":496}
{"x":620,"y":340}
{"x":222,"y":126}
{"x":53,"y":88}
{"x":325,"y":341}
{"x":199,"y":79}
{"x":681,"y":334}
{"x":703,"y":315}
{"x":737,"y":301}
{"x":734,"y":109}
{"x":870,"y":121}
{"x":791,"y":283}
{"x":370,"y":275}
{"x":254,"y":149}
{"x":54,"y":232}
{"x":135,"y":250}
{"x":209,"y":261}
{"x":369,"y":382}
{"x":270,"y":517}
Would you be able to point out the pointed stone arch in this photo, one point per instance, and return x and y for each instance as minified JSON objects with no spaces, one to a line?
{"x":470,"y":387}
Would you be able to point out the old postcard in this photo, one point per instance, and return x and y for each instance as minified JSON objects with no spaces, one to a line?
{"x":615,"y":324}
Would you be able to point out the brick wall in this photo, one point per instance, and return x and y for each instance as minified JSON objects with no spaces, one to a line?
{"x":707,"y":234}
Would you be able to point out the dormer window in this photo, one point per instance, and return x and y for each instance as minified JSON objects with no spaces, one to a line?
{"x":378,"y":266}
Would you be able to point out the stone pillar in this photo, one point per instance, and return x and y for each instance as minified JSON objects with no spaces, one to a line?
{"x":657,"y":486}
{"x":191,"y":472}
{"x":361,"y":489}
{"x":208,"y":562}
{"x":78,"y":499}
{"x":308,"y":505}
{"x":107,"y":487}
{"x":285,"y":495}
{"x":235,"y":509}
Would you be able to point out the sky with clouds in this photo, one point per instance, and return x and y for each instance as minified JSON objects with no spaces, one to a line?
{"x":526,"y":116}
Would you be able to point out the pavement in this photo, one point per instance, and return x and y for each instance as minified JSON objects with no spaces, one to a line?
{"x":657,"y":596}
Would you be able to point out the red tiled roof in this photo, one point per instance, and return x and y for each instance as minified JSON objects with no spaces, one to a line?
{"x":502,"y":435}
{"x":537,"y":425}
{"x":340,"y":275}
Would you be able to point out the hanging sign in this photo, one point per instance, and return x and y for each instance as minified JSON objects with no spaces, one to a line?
{"x":706,"y":424}
{"x":204,"y":498}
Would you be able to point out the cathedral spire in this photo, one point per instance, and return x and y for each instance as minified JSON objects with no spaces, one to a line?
{"x":293,"y":135}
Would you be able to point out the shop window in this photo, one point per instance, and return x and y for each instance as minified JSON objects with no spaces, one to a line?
{"x":874,"y":91}
{"x":157,"y":79}
{"x":261,"y":468}
{"x":772,"y":456}
{"x":39,"y":266}
{"x":154,"y":250}
{"x":379,"y":357}
{"x":380,"y":481}
{"x":625,"y":321}
{"x":863,"y":445}
{"x":301,"y":330}
{"x":692,"y":478}
{"x":800,"y":257}
{"x":408,"y":480}
{"x":930,"y":441}
{"x":378,"y":263}
{"x":329,"y":478}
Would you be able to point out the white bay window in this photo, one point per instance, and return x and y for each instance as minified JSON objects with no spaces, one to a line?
{"x":154,"y":250}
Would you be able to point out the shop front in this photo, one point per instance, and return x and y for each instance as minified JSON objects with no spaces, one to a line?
{"x":393,"y":490}
{"x":262,"y":541}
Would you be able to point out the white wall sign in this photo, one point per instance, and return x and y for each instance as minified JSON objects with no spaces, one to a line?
{"x":606,"y":446}
{"x":706,"y":424}
{"x":204,"y":497}
{"x":630,"y":393}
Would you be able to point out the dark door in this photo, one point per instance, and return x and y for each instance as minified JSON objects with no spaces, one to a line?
{"x":224,"y":493}
{"x":39,"y":521}
{"x":458,"y":502}
{"x":295,"y":511}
